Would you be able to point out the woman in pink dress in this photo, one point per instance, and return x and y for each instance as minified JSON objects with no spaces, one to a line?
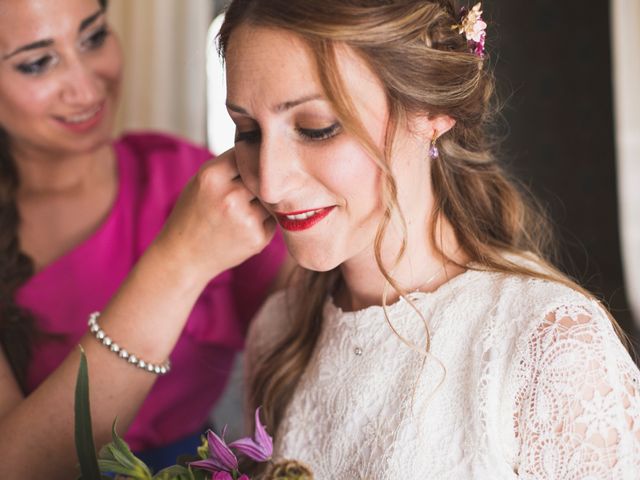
{"x":77,"y":211}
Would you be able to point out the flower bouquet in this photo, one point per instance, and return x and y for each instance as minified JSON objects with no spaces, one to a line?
{"x":214,"y":459}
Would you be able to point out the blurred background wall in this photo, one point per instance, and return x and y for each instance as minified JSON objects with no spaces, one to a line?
{"x":575,"y":148}
{"x":164,"y":47}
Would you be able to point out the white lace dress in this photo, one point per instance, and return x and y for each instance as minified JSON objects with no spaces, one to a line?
{"x":525,"y":379}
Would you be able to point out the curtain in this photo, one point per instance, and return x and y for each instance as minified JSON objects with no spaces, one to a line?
{"x":164,"y":45}
{"x":625,"y":18}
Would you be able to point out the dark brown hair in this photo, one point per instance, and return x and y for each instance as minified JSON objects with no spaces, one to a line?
{"x":17,"y":326}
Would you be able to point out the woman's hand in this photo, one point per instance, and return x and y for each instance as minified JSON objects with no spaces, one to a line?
{"x":217,"y":223}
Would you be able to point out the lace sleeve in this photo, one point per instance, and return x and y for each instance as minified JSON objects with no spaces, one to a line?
{"x":579,"y":415}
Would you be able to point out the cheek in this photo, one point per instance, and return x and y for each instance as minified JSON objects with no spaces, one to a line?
{"x":24,"y":98}
{"x":247,"y":163}
{"x":353,"y":176}
{"x":110,"y":63}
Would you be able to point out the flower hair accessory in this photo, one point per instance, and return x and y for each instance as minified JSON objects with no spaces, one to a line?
{"x":473,"y":28}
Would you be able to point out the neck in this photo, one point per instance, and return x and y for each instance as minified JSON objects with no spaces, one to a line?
{"x":421,"y":268}
{"x":49,"y":173}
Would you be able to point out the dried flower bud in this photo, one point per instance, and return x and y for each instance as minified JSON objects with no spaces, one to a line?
{"x":288,"y":470}
{"x":473,"y":28}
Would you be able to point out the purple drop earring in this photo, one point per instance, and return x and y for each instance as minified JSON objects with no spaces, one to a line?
{"x":433,"y":148}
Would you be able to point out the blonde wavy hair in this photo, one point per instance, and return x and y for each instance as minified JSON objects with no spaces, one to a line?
{"x":424,"y":66}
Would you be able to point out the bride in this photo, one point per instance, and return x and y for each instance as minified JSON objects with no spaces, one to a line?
{"x":428,"y":337}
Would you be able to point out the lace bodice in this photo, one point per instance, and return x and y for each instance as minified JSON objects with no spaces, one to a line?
{"x":524,"y":379}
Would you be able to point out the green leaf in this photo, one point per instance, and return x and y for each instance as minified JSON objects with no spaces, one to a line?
{"x":105,"y":453}
{"x":203,"y":449}
{"x":175,"y":472}
{"x":120,"y":457}
{"x":83,"y":433}
{"x":122,"y":446}
{"x":116,"y":457}
{"x":112,"y":466}
{"x":199,"y":474}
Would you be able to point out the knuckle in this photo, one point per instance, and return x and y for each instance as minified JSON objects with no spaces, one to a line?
{"x":230,"y":202}
{"x":208,"y":177}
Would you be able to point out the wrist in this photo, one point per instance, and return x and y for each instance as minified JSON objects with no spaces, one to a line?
{"x":185,"y":274}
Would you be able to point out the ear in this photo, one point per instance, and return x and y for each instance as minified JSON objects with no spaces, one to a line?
{"x":440,"y":125}
{"x":428,"y":126}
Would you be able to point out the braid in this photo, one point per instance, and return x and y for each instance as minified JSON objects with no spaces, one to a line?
{"x":17,"y":325}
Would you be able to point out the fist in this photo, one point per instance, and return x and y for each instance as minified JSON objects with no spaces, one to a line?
{"x":216,"y":223}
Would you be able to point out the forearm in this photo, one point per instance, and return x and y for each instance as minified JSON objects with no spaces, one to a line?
{"x":146,"y":317}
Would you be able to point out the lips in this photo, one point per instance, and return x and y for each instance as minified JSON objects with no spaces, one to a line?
{"x":83,"y":121}
{"x":303,"y":219}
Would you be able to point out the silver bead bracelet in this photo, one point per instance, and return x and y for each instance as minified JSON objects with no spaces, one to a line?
{"x":102,"y":337}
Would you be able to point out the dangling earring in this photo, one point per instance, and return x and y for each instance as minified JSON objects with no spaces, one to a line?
{"x":433,"y":148}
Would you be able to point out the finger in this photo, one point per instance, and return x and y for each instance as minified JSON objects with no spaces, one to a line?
{"x":225,"y":164}
{"x":217,"y":174}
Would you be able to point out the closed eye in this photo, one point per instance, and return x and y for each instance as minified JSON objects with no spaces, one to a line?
{"x":36,"y":67}
{"x":311,"y":134}
{"x":97,"y":39}
{"x":320,"y":133}
{"x":249,"y":136}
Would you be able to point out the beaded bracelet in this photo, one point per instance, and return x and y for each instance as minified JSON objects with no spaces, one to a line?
{"x":102,"y":337}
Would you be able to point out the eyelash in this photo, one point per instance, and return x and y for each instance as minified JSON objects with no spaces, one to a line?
{"x":96,"y":40}
{"x":313,"y":135}
{"x":93,"y":42}
{"x":37,"y":67}
{"x":320,"y":134}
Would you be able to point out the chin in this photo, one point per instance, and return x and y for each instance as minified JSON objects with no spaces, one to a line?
{"x":91,"y":141}
{"x":313,"y":261}
{"x":315,"y":267}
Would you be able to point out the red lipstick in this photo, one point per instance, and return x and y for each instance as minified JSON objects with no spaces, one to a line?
{"x":306,"y":220}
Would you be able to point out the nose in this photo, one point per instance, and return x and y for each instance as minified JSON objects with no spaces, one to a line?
{"x":279,"y":171}
{"x":81,"y":87}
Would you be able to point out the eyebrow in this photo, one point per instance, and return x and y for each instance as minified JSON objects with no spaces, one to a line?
{"x":281,"y":107}
{"x":84,"y":24}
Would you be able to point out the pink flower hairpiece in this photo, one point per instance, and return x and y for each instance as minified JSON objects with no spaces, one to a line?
{"x":473,"y":28}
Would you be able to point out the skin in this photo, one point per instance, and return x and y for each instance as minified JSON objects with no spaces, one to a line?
{"x":293,"y":155}
{"x":40,"y":87}
{"x":66,"y":175}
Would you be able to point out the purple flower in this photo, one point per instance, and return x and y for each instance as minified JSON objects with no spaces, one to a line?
{"x":221,"y":458}
{"x":221,"y":476}
{"x":260,"y":447}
